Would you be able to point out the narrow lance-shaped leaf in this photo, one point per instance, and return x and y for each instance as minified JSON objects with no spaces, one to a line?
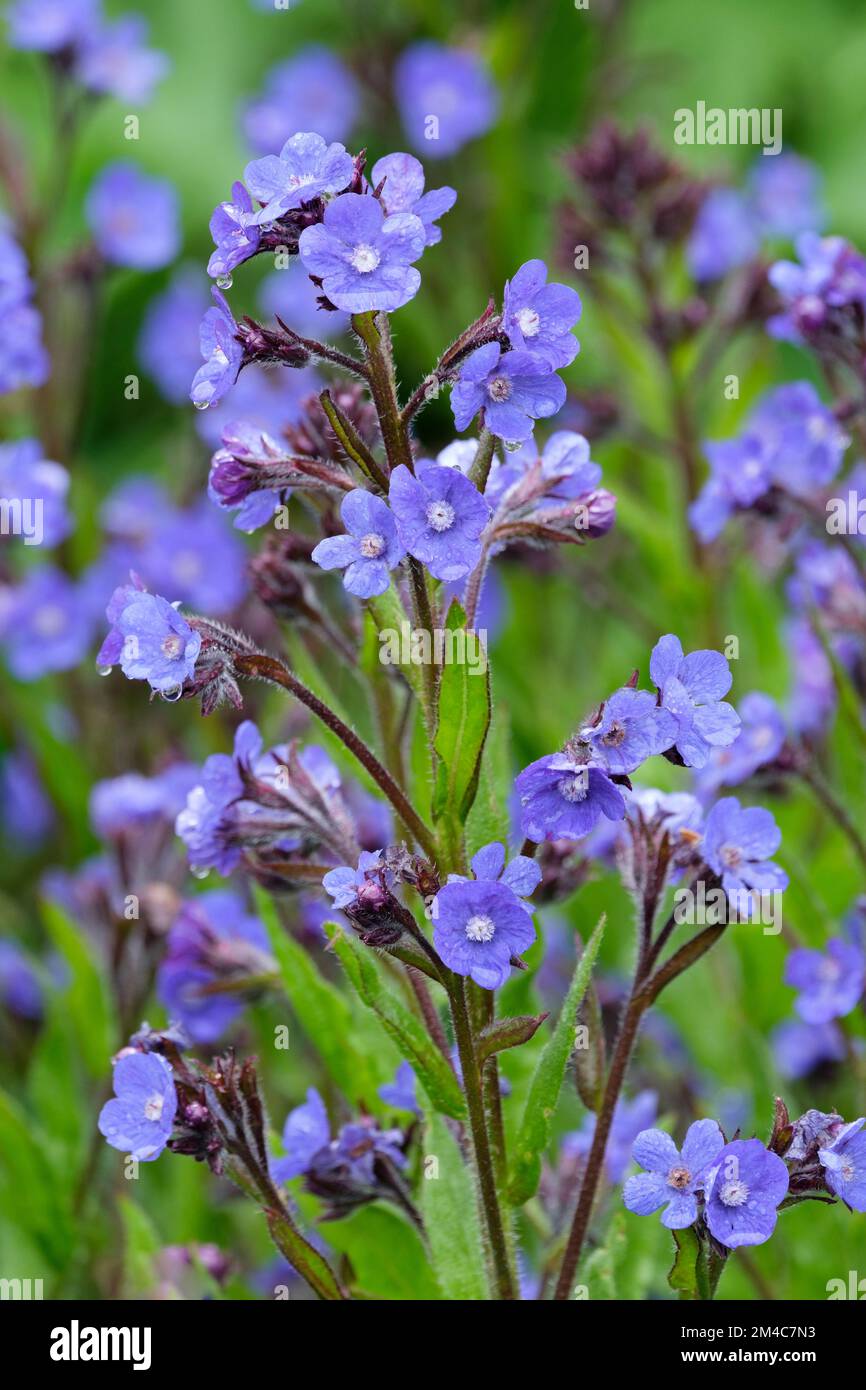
{"x":450,"y":1211}
{"x":534,"y":1134}
{"x":431,"y":1068}
{"x":463,"y":718}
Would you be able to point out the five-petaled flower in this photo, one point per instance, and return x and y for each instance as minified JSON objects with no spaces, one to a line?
{"x":149,"y":638}
{"x":743,"y":1189}
{"x":672,"y":1178}
{"x":440,"y":516}
{"x":539,"y":317}
{"x":830,"y":982}
{"x":139,"y":1120}
{"x":370,"y":548}
{"x":513,"y":389}
{"x":363,"y":258}
{"x":738,"y":845}
{"x":562,"y":797}
{"x":306,"y":167}
{"x":691,"y":688}
{"x":631,"y":729}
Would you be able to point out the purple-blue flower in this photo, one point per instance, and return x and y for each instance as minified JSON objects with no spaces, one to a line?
{"x":113,"y":59}
{"x":740,"y":473}
{"x":196,"y":556}
{"x":738,"y":845}
{"x":307,"y":167}
{"x":801,"y":1048}
{"x":20,"y":989}
{"x":363,"y":258}
{"x":47,"y":26}
{"x":212,"y":936}
{"x":368,"y":551}
{"x":404,"y":192}
{"x":725,"y":235}
{"x":34,"y":490}
{"x":521,"y":874}
{"x":290,"y":293}
{"x":133,"y":218}
{"x":313,"y":89}
{"x":445,"y":96}
{"x":539,"y":317}
{"x":691,"y":688}
{"x":306,"y":1132}
{"x":43,"y":624}
{"x":829,"y":275}
{"x":150,"y":640}
{"x":120,"y":805}
{"x":139,"y":1120}
{"x":743,"y":1190}
{"x":562,"y":798}
{"x":760,"y":741}
{"x":440,"y":516}
{"x":513,"y":389}
{"x":23,"y":359}
{"x":343,"y":884}
{"x":222,"y":353}
{"x":401,"y":1091}
{"x":672,"y":1178}
{"x":785,"y":193}
{"x":844,"y":1164}
{"x":235,"y":233}
{"x":168,"y":344}
{"x":631,"y":729}
{"x":830,"y":983}
{"x":478,"y":926}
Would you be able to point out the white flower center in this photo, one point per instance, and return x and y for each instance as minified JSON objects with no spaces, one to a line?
{"x":499,"y":388}
{"x":49,"y":620}
{"x":731,"y":856}
{"x":372,"y":545}
{"x":440,"y":515}
{"x":574,"y":788}
{"x":301,"y":180}
{"x":847,"y":1170}
{"x":153,"y":1106}
{"x":734,"y":1193}
{"x":365,"y":258}
{"x":172,"y":646}
{"x":829,"y":971}
{"x":528,"y":322}
{"x":480,"y":928}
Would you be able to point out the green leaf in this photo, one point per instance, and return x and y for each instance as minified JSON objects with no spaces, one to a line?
{"x":683,"y":1276}
{"x":86,"y":996}
{"x":33,"y":1196}
{"x":404,"y":1029}
{"x":534,"y":1134}
{"x":387,"y":1254}
{"x":462,"y":721}
{"x":320,"y":1008}
{"x":489,"y":818}
{"x":450,"y":1210}
{"x":503,"y":1033}
{"x":141,"y":1245}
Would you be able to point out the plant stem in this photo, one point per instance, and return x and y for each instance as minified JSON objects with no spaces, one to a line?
{"x":380,"y":374}
{"x":492,"y":1214}
{"x":833,"y":805}
{"x":268,"y":668}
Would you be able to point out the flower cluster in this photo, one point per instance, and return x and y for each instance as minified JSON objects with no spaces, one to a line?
{"x":23,"y":359}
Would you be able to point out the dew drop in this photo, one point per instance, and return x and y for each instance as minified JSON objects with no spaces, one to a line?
{"x":512,"y":445}
{"x":224,"y":282}
{"x":104,"y":670}
{"x":200,"y":871}
{"x":201,"y":405}
{"x":171,"y":695}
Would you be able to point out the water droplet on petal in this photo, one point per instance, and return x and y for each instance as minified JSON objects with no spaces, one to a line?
{"x":201,"y":405}
{"x":512,"y":445}
{"x":171,"y":695}
{"x":224,"y":282}
{"x":104,"y":670}
{"x":200,"y":871}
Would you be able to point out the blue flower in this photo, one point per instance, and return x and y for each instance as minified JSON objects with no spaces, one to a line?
{"x":445,"y":96}
{"x":513,"y":389}
{"x":562,"y":797}
{"x":478,"y":926}
{"x":829,"y":275}
{"x":785,"y":192}
{"x":313,"y":88}
{"x":133,"y":218}
{"x":672,"y":1178}
{"x":401,"y":1091}
{"x":40,"y":488}
{"x":632,"y":728}
{"x":363,"y":258}
{"x":212,"y":938}
{"x":539,"y":317}
{"x":830,"y":983}
{"x":759,"y":742}
{"x":369,"y":550}
{"x":691,"y":688}
{"x":307,"y":167}
{"x":404,"y":192}
{"x":44,"y":625}
{"x":738,"y":843}
{"x":343,"y":884}
{"x":522,"y":874}
{"x":306,"y":1132}
{"x":440,"y":516}
{"x":139,"y":1121}
{"x":150,"y":639}
{"x":222,"y":353}
{"x":205,"y":823}
{"x":801,"y":1048}
{"x":168,"y":345}
{"x":844,"y":1164}
{"x":725,"y":235}
{"x":743,"y":1190}
{"x":235,"y":233}
{"x":113,"y":59}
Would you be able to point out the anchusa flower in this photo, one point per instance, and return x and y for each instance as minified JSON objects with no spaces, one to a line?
{"x":149,"y":640}
{"x":23,"y":359}
{"x":106,"y":57}
{"x":539,"y":317}
{"x":630,"y":727}
{"x":844,"y":1164}
{"x":563,"y":795}
{"x":630,"y":1118}
{"x":44,"y":626}
{"x":306,"y":168}
{"x":35,"y":492}
{"x":139,"y":1120}
{"x":803,"y":1049}
{"x":235,"y":232}
{"x":759,"y":744}
{"x":446,"y":97}
{"x":401,"y":180}
{"x":691,"y":689}
{"x":672,"y":1178}
{"x":513,"y":389}
{"x":173,"y":318}
{"x":401,"y":1091}
{"x":823,"y":293}
{"x":439,"y":515}
{"x":830,"y":983}
{"x":213,"y":949}
{"x":313,"y":88}
{"x":363,"y":258}
{"x":133,"y":218}
{"x":743,"y":1190}
{"x":481,"y":924}
{"x":369,"y":550}
{"x":738,"y":845}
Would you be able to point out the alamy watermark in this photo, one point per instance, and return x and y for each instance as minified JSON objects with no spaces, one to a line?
{"x":413,"y":646}
{"x":738,"y":125}
{"x":22,"y":516}
{"x":716,"y":907}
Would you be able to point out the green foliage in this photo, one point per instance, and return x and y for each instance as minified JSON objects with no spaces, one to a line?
{"x":450,"y":1210}
{"x":462,"y":721}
